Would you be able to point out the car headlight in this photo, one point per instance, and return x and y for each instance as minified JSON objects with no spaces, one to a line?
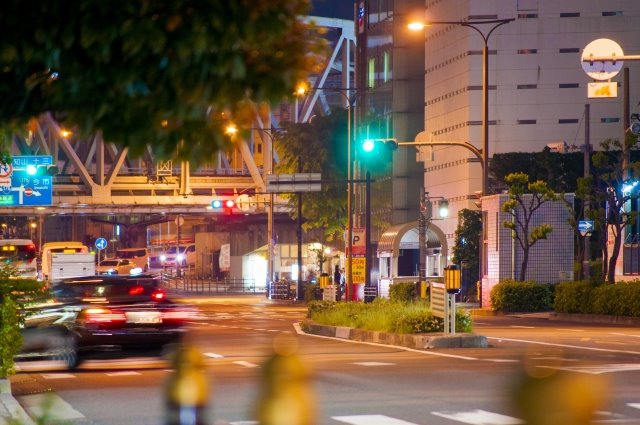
{"x":163,"y":257}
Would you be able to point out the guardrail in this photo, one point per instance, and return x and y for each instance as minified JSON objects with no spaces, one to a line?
{"x":189,"y":282}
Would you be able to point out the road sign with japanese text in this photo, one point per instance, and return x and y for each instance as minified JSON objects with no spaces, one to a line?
{"x":23,"y":184}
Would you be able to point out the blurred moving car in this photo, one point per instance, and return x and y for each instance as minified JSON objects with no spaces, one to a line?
{"x":184,"y":255}
{"x":115,"y":266}
{"x":103,"y":313}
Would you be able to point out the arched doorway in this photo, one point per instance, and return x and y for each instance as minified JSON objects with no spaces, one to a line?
{"x":399,"y":254}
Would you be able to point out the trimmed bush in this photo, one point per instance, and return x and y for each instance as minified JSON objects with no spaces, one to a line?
{"x":573,"y":297}
{"x":403,"y":292}
{"x":514,"y":296}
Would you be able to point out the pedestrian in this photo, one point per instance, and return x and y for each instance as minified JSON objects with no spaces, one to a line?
{"x":337,"y":276}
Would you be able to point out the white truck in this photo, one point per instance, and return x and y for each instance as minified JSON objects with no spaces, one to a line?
{"x":65,"y":265}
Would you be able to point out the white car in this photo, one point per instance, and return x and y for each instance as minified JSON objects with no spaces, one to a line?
{"x":115,"y":266}
{"x":184,"y":256}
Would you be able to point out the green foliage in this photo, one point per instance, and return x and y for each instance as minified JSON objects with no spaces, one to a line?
{"x":15,"y":295}
{"x":153,"y":73}
{"x":403,"y":292}
{"x":10,"y":337}
{"x":466,"y":250}
{"x":515,"y":296}
{"x":573,"y":297}
{"x":522,"y":210}
{"x":385,"y":316}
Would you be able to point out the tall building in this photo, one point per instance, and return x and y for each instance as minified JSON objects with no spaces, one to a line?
{"x":537,"y":89}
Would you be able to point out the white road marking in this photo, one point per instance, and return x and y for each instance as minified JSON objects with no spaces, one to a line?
{"x":373,"y":364}
{"x":606,"y":350}
{"x":246,"y":364}
{"x":597,"y":369}
{"x":214,"y":355}
{"x":479,"y":417}
{"x":570,"y":330}
{"x":522,"y":327}
{"x":299,"y":331}
{"x":634,"y":405}
{"x":502,"y":360}
{"x":55,"y":406}
{"x":124,"y":373}
{"x":58,"y":375}
{"x":621,"y":334}
{"x":370,"y":420}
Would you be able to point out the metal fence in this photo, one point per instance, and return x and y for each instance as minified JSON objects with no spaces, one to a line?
{"x":187,"y":281}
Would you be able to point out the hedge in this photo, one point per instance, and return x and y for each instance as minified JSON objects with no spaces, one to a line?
{"x":619,"y":299}
{"x":514,"y":296}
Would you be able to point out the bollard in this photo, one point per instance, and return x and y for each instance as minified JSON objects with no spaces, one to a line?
{"x":286,"y":396}
{"x":187,"y":389}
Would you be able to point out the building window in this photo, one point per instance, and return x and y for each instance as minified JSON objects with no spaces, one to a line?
{"x":568,"y":85}
{"x":385,"y":75}
{"x":371,"y":73}
{"x":612,"y":13}
{"x":570,"y":15}
{"x":527,"y":15}
{"x":527,"y":51}
{"x":569,"y":50}
{"x":526,"y":121}
{"x":609,"y":120}
{"x":568,"y":121}
{"x":527,"y":86}
{"x":497,"y":230}
{"x":485,"y":224}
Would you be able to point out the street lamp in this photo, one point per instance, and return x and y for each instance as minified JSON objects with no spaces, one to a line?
{"x":349,"y":293}
{"x":417,"y":26}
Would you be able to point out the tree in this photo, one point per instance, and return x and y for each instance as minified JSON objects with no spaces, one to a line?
{"x":525,"y":198}
{"x":15,"y":294}
{"x":614,"y":189}
{"x":160,"y":74}
{"x":319,"y":146}
{"x":466,"y":249}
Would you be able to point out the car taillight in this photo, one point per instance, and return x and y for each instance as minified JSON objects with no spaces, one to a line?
{"x":136,"y":290}
{"x":103,"y":315}
{"x":157,"y":295}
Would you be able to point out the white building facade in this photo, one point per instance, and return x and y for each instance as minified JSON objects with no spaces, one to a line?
{"x":537,"y":87}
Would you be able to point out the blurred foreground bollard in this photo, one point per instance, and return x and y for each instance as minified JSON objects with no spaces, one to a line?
{"x":545,"y":395}
{"x":187,"y":389}
{"x":286,"y":396}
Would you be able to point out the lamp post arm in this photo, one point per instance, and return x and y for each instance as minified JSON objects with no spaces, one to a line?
{"x":477,"y":152}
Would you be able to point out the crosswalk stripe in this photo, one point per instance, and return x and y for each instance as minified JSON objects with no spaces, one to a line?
{"x":634,"y":405}
{"x":57,"y":375}
{"x":479,"y":417}
{"x":124,"y":373}
{"x":246,"y":364}
{"x":373,"y":364}
{"x":213,"y":355}
{"x":370,"y":420}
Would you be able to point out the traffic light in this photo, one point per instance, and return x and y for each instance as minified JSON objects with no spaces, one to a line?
{"x":225,"y":205}
{"x":377,"y":154}
{"x":41,"y":170}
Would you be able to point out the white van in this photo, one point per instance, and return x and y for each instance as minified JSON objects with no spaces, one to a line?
{"x":140,"y":256}
{"x":64,"y":247}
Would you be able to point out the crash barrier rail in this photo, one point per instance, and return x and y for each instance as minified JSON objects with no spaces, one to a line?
{"x":283,"y":290}
{"x":208,"y":285}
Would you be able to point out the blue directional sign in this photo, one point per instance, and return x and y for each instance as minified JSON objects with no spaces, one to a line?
{"x":101,"y":243}
{"x":25,"y":182}
{"x":585,"y":226}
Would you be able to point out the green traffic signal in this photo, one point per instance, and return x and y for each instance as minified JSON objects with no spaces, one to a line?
{"x":368,"y":145}
{"x":379,"y":146}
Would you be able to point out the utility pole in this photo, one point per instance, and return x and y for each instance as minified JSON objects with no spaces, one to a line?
{"x":586,"y":260}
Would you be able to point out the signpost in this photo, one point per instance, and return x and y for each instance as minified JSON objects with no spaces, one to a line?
{"x":100,"y":244}
{"x":22,"y":183}
{"x":585,"y":227}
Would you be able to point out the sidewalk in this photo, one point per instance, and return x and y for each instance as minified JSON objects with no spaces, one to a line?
{"x":11,"y":412}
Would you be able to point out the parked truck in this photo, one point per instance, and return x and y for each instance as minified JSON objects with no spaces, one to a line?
{"x":65,"y":265}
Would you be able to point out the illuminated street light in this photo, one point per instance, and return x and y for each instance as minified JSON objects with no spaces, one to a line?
{"x":417,"y":26}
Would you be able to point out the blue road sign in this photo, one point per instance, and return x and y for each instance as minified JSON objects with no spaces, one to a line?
{"x":101,"y":243}
{"x":21,"y":187}
{"x":585,"y":226}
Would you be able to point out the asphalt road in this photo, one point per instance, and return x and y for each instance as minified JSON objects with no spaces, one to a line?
{"x":568,"y":365}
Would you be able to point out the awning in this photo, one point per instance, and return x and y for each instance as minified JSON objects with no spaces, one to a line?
{"x":405,"y":236}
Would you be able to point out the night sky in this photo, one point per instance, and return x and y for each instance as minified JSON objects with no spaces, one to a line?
{"x":342,"y":9}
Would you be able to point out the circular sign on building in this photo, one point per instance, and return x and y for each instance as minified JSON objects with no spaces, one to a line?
{"x":602,"y":70}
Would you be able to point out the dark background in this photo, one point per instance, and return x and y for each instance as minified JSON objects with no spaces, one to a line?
{"x":342,"y":9}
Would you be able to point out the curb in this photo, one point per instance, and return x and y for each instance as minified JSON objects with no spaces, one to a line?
{"x":415,"y":341}
{"x":10,"y":409}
